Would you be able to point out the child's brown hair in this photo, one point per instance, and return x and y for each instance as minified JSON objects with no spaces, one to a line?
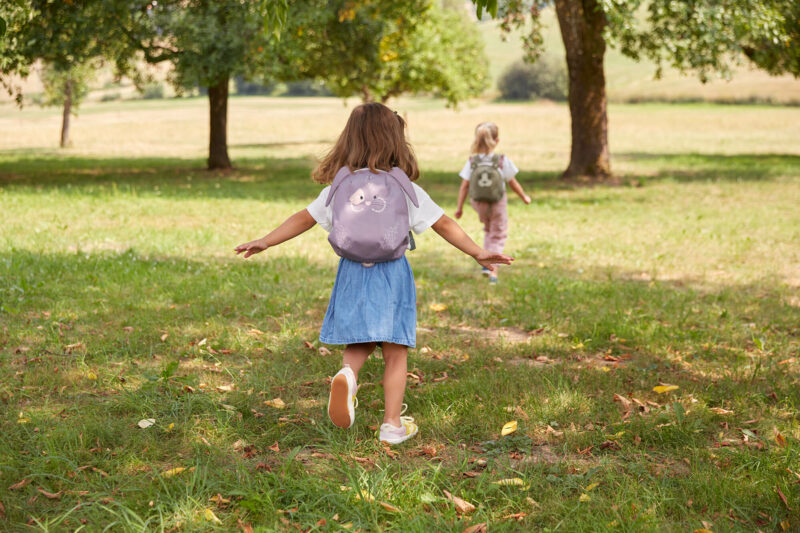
{"x":373,"y":138}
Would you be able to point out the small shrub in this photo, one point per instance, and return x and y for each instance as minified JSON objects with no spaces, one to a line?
{"x":546,"y":78}
{"x":110,"y":97}
{"x":152,"y":91}
{"x":246,"y":87}
{"x":306,"y":88}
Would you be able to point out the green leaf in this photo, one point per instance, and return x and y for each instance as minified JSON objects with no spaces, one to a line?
{"x":2,"y":26}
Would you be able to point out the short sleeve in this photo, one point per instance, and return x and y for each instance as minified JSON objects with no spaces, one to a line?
{"x":466,"y":171}
{"x":423,"y":217}
{"x":321,"y":213}
{"x":509,"y":169}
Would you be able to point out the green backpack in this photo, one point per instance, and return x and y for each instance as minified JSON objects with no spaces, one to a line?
{"x":486,"y":183}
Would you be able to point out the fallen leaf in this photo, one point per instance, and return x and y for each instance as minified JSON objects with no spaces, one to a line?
{"x":782,"y":497}
{"x":591,"y":487}
{"x":164,"y":337}
{"x":509,"y":428}
{"x":720,"y":411}
{"x":585,"y":498}
{"x":50,"y":495}
{"x":703,"y":530}
{"x":306,"y":403}
{"x":626,"y":403}
{"x":228,"y":387}
{"x":661,"y":389}
{"x":128,"y":328}
{"x":438,"y":308}
{"x":462,"y":506}
{"x":780,"y":439}
{"x":277,"y":403}
{"x":477,"y":528}
{"x":275,"y":448}
{"x":246,"y":528}
{"x":255,"y":332}
{"x":515,"y":516}
{"x":77,"y":346}
{"x":389,"y":507}
{"x":146,"y":422}
{"x":91,"y":375}
{"x":219,"y":500}
{"x":174,"y":471}
{"x":210,"y":516}
{"x":321,"y":522}
{"x":514,"y":481}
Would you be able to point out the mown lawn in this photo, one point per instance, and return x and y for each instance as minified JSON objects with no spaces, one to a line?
{"x":121,"y":300}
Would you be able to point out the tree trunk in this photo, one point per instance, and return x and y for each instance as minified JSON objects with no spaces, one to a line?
{"x":218,"y":114}
{"x":582,"y":23}
{"x":66,"y":115}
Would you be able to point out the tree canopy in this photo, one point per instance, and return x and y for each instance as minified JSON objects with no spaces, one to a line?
{"x":382,"y":48}
{"x":704,"y":36}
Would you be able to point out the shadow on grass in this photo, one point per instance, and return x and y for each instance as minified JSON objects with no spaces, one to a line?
{"x":689,"y":167}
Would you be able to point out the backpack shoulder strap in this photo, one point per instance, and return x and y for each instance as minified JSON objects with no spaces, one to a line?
{"x":497,"y":160}
{"x":337,"y":180}
{"x":405,"y":183}
{"x":473,"y":161}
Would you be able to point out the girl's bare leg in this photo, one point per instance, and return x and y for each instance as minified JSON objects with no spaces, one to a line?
{"x":356,"y":355}
{"x":395,"y":357}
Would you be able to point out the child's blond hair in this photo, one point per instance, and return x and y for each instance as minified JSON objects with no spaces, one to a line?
{"x":486,"y":135}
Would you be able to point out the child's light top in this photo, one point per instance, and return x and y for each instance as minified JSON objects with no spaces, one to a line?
{"x":419,"y":218}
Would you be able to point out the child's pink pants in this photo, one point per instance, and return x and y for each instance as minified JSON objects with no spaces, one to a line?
{"x":495,"y":223}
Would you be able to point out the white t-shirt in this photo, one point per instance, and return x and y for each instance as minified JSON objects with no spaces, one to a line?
{"x":419,"y":218}
{"x":508,"y":170}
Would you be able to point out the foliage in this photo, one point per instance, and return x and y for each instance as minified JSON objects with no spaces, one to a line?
{"x":56,"y":81}
{"x":704,"y":36}
{"x":64,"y":35}
{"x":382,"y":49}
{"x":206,"y":42}
{"x":545,"y":78}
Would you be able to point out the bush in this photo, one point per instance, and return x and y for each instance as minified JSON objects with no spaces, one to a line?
{"x":306,"y":88}
{"x":246,"y":87}
{"x":546,"y":78}
{"x":152,"y":91}
{"x":110,"y":97}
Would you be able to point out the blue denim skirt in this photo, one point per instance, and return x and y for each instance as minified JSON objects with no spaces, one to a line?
{"x":372,"y":304}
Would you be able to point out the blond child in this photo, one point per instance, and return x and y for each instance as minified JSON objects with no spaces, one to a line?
{"x":484,"y":179}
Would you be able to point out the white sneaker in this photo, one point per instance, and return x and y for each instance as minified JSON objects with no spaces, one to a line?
{"x":396,"y":435}
{"x":342,"y":401}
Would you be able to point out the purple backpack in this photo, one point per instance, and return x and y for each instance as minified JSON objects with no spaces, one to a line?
{"x":370,"y":214}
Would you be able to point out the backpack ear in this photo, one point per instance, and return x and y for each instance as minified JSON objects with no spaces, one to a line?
{"x":337,"y":180}
{"x":405,"y":183}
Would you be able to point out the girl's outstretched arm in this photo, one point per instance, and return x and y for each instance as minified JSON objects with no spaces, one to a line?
{"x":517,"y":188}
{"x":292,"y":227}
{"x":452,"y":233}
{"x":462,"y":195}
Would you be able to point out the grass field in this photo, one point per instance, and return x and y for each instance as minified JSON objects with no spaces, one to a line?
{"x":121,"y":300}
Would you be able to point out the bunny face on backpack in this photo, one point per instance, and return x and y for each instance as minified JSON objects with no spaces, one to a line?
{"x":370,"y":214}
{"x":368,"y":197}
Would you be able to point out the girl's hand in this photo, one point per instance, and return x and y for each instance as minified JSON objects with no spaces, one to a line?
{"x":487,"y":259}
{"x":526,"y":199}
{"x":458,"y":213}
{"x":251,"y":248}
